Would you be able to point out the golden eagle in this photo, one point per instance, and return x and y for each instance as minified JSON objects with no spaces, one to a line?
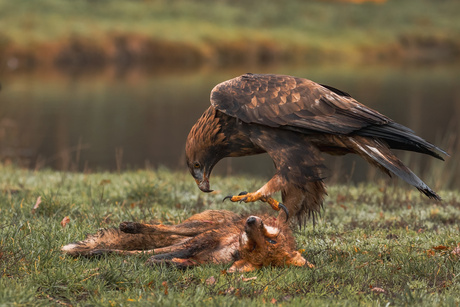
{"x":294,"y":120}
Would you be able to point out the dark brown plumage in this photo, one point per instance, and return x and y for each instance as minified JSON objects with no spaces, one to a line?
{"x":294,"y":120}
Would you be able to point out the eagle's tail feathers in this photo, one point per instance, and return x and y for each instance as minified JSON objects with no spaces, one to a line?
{"x":380,"y":155}
{"x":400,"y":137}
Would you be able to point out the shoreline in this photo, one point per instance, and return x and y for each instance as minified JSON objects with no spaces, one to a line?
{"x":128,"y":51}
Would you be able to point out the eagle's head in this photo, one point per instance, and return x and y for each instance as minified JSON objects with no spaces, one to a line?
{"x":204,"y":148}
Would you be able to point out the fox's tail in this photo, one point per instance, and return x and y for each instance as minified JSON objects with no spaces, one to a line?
{"x":106,"y":240}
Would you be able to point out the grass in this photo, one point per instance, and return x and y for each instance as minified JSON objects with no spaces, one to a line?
{"x":374,"y":245}
{"x":212,"y":30}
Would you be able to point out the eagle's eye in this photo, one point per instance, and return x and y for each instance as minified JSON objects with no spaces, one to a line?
{"x":196,"y":165}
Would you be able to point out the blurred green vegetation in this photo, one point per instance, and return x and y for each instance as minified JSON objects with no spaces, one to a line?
{"x":374,"y":245}
{"x":321,"y":28}
{"x":186,"y":20}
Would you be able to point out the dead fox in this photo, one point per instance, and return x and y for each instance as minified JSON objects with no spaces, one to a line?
{"x":213,"y":236}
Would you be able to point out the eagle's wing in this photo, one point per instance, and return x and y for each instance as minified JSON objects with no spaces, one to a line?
{"x":277,"y":100}
{"x":303,"y":105}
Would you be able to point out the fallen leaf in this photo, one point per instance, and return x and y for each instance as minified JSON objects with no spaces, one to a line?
{"x":37,"y":204}
{"x":273,"y":301}
{"x":210,"y":281}
{"x":456,"y":251}
{"x":65,"y":221}
{"x":440,"y":247}
{"x":91,"y":270}
{"x":248,"y":279}
{"x":227,"y":291}
{"x":165,"y":285}
{"x":106,"y":219}
{"x":430,"y":252}
{"x":362,"y":265}
{"x":377,"y":290}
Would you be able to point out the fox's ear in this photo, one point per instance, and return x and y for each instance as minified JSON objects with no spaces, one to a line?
{"x":241,"y":266}
{"x":296,"y":259}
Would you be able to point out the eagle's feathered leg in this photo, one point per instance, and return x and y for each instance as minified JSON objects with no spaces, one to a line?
{"x":304,"y":202}
{"x":299,"y":171}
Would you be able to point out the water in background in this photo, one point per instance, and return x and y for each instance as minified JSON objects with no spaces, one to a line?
{"x":114,"y":121}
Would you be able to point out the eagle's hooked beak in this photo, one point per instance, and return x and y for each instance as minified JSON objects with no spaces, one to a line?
{"x":203,"y":184}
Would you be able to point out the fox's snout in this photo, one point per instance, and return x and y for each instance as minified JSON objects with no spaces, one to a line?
{"x":257,"y":233}
{"x":253,"y":221}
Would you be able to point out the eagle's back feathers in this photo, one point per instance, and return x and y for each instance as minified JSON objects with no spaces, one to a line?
{"x":285,"y":101}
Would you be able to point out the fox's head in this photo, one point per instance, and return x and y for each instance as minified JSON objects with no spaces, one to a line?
{"x":265,"y":244}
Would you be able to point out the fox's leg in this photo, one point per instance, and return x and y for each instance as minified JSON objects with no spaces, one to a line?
{"x":207,"y":247}
{"x":172,"y":256}
{"x":170,"y":249}
{"x":97,"y":252}
{"x":189,"y":229}
{"x":177,"y":262}
{"x":196,"y":224}
{"x":241,"y":266}
{"x":157,"y":251}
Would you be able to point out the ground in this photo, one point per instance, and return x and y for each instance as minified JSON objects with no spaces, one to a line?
{"x":374,"y":244}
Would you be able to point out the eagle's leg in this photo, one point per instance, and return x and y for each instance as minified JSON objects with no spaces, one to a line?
{"x":263,"y":194}
{"x":252,"y":197}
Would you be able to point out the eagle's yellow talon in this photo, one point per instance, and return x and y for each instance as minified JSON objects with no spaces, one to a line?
{"x":252,"y":197}
{"x":228,"y":197}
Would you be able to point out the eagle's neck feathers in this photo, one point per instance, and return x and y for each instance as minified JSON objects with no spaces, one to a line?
{"x":218,"y":135}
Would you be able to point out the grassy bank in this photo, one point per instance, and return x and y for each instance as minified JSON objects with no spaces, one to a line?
{"x":373,"y":245}
{"x":180,"y":32}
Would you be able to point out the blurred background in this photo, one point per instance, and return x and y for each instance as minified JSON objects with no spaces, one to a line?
{"x":96,"y":85}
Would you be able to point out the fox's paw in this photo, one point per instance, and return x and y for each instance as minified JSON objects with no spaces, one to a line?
{"x":130,"y":227}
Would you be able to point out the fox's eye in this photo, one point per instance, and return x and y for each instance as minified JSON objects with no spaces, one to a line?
{"x":271,"y":241}
{"x":196,"y":165}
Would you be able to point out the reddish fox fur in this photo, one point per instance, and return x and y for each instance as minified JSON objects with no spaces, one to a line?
{"x":213,"y":236}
